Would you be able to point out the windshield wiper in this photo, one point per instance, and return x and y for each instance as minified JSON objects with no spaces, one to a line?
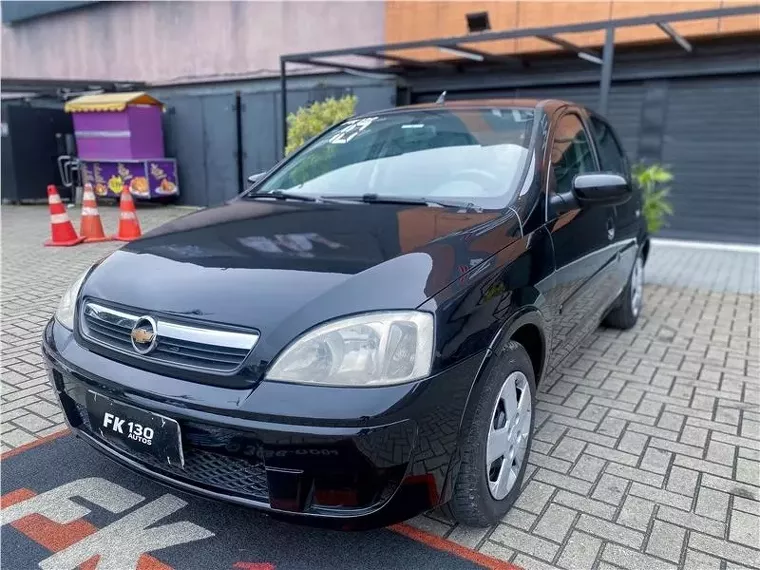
{"x":280,"y":195}
{"x":420,"y":200}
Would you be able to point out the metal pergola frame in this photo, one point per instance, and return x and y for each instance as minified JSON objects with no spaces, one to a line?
{"x":64,"y":88}
{"x":401,"y":66}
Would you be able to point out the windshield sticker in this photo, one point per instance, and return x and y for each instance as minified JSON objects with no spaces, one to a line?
{"x":522,"y":116}
{"x":351,"y":130}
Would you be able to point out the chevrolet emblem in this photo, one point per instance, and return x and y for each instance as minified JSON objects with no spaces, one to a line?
{"x":143,"y":335}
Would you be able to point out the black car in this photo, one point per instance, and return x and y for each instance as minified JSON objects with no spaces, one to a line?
{"x":358,"y":338}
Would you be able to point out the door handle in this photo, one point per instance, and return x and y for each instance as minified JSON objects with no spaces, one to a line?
{"x":610,"y":229}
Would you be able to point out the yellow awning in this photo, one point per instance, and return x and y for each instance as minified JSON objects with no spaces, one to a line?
{"x":109,"y":102}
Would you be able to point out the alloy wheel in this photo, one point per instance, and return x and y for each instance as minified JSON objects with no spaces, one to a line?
{"x":637,"y":286}
{"x":508,"y":435}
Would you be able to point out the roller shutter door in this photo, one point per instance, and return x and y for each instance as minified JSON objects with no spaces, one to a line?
{"x":712,"y":143}
{"x":707,"y":130}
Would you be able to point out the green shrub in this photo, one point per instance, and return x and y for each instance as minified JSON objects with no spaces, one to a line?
{"x":308,"y":122}
{"x":652,"y":180}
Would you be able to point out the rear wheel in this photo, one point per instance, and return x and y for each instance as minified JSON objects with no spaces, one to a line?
{"x":631,"y":300}
{"x":496,"y":441}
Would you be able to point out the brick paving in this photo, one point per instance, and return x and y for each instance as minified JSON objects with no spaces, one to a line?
{"x":647,"y":444}
{"x":33,"y":279}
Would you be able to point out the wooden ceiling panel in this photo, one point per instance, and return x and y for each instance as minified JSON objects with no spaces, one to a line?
{"x":412,"y":20}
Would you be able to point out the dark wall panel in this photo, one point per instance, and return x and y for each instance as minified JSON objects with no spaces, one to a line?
{"x":30,"y":150}
{"x":375,"y":98}
{"x":652,"y":112}
{"x":183,"y":140}
{"x":625,"y":114}
{"x":712,"y":143}
{"x":199,"y":131}
{"x":259,"y":132}
{"x":220,"y":147}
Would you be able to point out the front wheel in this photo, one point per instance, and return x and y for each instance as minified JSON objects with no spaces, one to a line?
{"x":496,"y":441}
{"x":631,"y":300}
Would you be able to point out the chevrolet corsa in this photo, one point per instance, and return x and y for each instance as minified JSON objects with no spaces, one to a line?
{"x":358,"y":337}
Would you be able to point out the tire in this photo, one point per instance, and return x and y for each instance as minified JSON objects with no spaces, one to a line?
{"x":627,"y":307}
{"x":473,"y":502}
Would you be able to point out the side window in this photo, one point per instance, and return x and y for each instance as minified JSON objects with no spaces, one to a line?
{"x":571,"y":153}
{"x":611,"y":154}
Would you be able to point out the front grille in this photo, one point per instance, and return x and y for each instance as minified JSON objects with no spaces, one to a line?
{"x":206,"y":468}
{"x":177,"y":345}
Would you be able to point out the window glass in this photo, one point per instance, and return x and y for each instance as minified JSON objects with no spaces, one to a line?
{"x":611,"y":155}
{"x":473,"y":155}
{"x":571,"y":153}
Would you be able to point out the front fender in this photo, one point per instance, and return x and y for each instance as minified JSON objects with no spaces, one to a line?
{"x":530,"y":315}
{"x":526,"y":316}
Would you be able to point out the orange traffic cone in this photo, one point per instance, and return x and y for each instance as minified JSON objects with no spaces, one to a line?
{"x":129,"y":227}
{"x":61,"y":228}
{"x":91,"y":227}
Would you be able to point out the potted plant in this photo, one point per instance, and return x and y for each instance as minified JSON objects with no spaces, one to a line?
{"x":652,"y":179}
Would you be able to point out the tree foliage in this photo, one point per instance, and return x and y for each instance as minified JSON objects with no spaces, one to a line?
{"x":308,"y":122}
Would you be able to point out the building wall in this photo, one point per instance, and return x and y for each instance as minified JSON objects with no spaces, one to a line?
{"x":407,"y":20}
{"x":176,"y":41}
{"x":212,"y":64}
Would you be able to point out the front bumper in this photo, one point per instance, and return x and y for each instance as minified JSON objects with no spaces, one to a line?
{"x":340,"y":457}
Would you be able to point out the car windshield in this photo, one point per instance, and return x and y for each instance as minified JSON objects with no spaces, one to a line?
{"x":472,"y":156}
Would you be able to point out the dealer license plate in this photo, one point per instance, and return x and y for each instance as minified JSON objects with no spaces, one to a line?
{"x":136,"y":429}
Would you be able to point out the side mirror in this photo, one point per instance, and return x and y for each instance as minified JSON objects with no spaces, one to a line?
{"x":601,"y":189}
{"x":254,"y":178}
{"x":589,"y":190}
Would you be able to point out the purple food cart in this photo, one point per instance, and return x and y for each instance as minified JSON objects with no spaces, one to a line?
{"x":120,"y":143}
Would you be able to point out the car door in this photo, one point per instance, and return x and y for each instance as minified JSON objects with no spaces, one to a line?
{"x":583,"y":239}
{"x":627,"y":216}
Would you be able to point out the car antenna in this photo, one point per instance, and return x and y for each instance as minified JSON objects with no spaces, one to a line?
{"x":441,"y":99}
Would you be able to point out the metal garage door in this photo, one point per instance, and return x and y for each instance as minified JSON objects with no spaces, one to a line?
{"x":199,"y":133}
{"x":707,"y":130}
{"x":712,"y":143}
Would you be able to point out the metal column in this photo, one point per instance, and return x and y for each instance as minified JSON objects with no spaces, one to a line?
{"x":283,"y":107}
{"x":606,"y":81}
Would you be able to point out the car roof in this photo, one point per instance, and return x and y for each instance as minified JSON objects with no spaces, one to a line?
{"x":546,"y":105}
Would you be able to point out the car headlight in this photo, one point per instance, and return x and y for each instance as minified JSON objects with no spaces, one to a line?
{"x":367,"y":350}
{"x":67,"y":306}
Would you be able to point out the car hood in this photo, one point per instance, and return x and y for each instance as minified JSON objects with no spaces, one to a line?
{"x":281,"y":266}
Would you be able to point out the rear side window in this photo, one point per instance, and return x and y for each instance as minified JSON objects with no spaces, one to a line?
{"x":611,"y":153}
